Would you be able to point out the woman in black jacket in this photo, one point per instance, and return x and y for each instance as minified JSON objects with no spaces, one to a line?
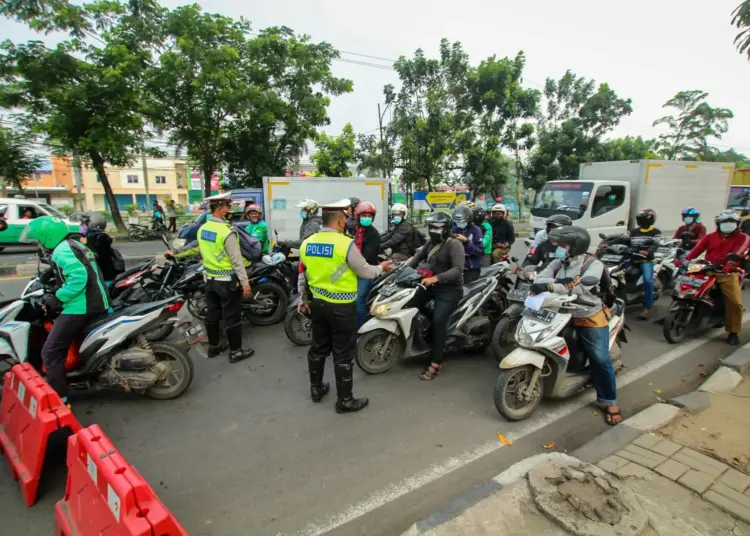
{"x":367,"y":240}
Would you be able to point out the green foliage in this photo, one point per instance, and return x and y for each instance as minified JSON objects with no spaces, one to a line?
{"x":66,"y":209}
{"x":689,"y":132}
{"x":334,"y":153}
{"x":375,"y":154}
{"x":627,"y":148}
{"x":132,"y":210}
{"x":17,"y":162}
{"x":741,"y":19}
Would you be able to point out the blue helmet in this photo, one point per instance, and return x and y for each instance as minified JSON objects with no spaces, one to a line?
{"x":691,"y":212}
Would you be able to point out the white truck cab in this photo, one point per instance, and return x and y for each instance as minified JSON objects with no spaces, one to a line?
{"x":17,"y":213}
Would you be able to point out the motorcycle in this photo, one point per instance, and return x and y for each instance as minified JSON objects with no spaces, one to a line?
{"x":137,"y":233}
{"x":697,"y":302}
{"x":112,"y":351}
{"x":626,"y":275}
{"x":548,"y":361}
{"x":398,"y":329}
{"x":503,"y":336}
{"x":664,"y":267}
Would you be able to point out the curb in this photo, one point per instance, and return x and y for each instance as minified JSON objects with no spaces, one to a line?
{"x":30,"y":269}
{"x":726,"y":378}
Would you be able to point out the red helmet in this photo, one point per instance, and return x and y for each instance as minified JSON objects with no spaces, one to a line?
{"x":254,"y":208}
{"x":646,"y":217}
{"x":365,"y":207}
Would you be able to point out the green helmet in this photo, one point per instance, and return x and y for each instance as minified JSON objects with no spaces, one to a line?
{"x":46,"y":230}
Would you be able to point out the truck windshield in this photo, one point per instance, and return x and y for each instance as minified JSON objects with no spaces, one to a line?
{"x":570,"y":198}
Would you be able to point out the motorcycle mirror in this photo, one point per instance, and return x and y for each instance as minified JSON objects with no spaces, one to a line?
{"x":602,"y":236}
{"x":589,"y":281}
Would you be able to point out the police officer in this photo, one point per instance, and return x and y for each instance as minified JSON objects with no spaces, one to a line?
{"x":226,"y":279}
{"x":332,"y":266}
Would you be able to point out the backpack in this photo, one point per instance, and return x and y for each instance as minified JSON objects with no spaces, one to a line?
{"x":250,"y":246}
{"x":118,"y":263}
{"x":604,"y":290}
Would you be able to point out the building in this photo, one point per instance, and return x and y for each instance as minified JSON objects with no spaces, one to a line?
{"x":52,"y":182}
{"x":167,"y":179}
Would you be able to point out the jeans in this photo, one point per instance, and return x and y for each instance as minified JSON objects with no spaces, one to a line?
{"x":595,"y":343}
{"x":446,"y":299}
{"x":363,"y":287}
{"x":334,"y":332}
{"x":647,"y":269}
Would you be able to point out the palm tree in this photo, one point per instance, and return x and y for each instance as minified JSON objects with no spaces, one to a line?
{"x":741,"y":19}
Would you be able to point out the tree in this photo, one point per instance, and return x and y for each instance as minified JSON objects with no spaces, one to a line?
{"x":334,"y":153}
{"x":375,"y":154}
{"x":627,"y":148}
{"x":578,"y":114}
{"x":741,"y":19}
{"x":17,"y":162}
{"x":689,"y":133}
{"x":86,"y":99}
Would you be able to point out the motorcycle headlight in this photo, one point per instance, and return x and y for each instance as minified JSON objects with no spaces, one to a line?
{"x":381,"y":309}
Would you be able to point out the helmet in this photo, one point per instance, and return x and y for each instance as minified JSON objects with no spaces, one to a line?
{"x":253,"y":207}
{"x":558,"y":220}
{"x":365,"y":207}
{"x":576,"y":239}
{"x":46,"y":230}
{"x":469,"y":204}
{"x":399,"y":207}
{"x":691,"y":212}
{"x":477,"y":214}
{"x":646,"y":217}
{"x":462,"y":216}
{"x":439,"y":225}
{"x":95,"y":222}
{"x":309,"y":205}
{"x":354,"y":201}
{"x":217,"y":200}
{"x":724,"y":216}
{"x":499,"y":207}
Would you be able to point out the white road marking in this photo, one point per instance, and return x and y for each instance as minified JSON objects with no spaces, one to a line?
{"x":432,"y":473}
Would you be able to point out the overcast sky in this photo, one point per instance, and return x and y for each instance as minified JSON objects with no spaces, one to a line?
{"x":645,"y":49}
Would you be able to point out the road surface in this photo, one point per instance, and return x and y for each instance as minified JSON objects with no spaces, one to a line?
{"x":20,"y":255}
{"x":245,"y":451}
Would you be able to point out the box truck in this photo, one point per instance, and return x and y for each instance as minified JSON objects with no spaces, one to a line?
{"x":607,"y":196}
{"x":281,"y":195}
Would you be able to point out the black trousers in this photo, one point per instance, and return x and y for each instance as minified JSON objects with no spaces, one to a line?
{"x":55,"y":350}
{"x":471,"y":275}
{"x":334,"y":331}
{"x":446,"y":299}
{"x":224,"y":301}
{"x":172,"y":224}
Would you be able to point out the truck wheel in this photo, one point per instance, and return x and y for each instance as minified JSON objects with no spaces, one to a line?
{"x":512,"y":398}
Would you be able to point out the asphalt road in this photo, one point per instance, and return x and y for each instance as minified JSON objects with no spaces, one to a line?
{"x":245,"y":451}
{"x":20,"y":255}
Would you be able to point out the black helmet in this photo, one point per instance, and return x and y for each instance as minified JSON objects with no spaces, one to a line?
{"x":439,"y":225}
{"x":646,"y":217}
{"x":96,"y":222}
{"x":558,"y":220}
{"x":354,"y":201}
{"x":477,"y":214}
{"x":576,"y":239}
{"x":462,"y":215}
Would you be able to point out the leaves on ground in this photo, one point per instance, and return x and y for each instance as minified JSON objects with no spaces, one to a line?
{"x":504,"y":440}
{"x":550,"y":446}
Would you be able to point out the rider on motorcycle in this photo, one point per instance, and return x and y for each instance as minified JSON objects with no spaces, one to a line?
{"x":503,"y":234}
{"x":367,"y":241}
{"x":258,"y":228}
{"x":401,"y":239}
{"x":478,"y":215}
{"x":100,"y":243}
{"x":691,"y":224}
{"x":544,"y":250}
{"x":644,"y":240}
{"x":717,"y":245}
{"x":591,"y":320}
{"x":470,"y":237}
{"x":81,"y":297}
{"x":311,"y":221}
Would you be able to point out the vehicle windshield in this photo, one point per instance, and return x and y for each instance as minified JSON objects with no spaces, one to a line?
{"x":569,"y":198}
{"x":52,"y":211}
{"x":406,"y":275}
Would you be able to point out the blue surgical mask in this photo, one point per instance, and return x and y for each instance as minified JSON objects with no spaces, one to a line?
{"x":365,"y":222}
{"x":727,"y":227}
{"x":688,"y":220}
{"x":303,"y":214}
{"x":561,"y":253}
{"x":462,"y":225}
{"x":397,"y":219}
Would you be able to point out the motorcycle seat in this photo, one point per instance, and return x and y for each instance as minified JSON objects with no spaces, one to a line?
{"x":492,"y":270}
{"x":137,"y":309}
{"x":473,"y":288}
{"x":131,"y":271}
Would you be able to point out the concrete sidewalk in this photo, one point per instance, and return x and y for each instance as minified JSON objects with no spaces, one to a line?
{"x":677,"y":468}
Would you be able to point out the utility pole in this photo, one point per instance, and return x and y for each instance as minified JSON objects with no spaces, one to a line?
{"x":386,"y":172}
{"x":76,"y":165}
{"x":144,"y":165}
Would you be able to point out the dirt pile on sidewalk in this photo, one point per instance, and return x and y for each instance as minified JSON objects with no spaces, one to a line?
{"x":722,"y":431}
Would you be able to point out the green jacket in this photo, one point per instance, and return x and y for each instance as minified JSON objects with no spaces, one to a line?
{"x":260,"y":231}
{"x":487,"y":239}
{"x":83,"y":291}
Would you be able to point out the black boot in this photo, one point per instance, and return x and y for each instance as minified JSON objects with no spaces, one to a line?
{"x":237,"y":353}
{"x":733,"y":339}
{"x":219,"y":349}
{"x":346,"y":402}
{"x":351,"y":404}
{"x":318,"y":392}
{"x":316,"y":366}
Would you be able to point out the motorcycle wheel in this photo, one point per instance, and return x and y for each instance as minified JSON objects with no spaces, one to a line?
{"x":135,"y":235}
{"x":197,"y":305}
{"x":298,"y":328}
{"x":675,"y":327}
{"x":160,"y":333}
{"x":180,"y":377}
{"x":372,"y":357}
{"x":503,"y":338}
{"x":506,"y":400}
{"x":268,"y":304}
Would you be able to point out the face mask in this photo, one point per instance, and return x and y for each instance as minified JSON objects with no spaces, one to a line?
{"x":561,"y":253}
{"x":727,"y":227}
{"x":688,"y":220}
{"x":365,"y":222}
{"x":397,"y":219}
{"x":303,"y":214}
{"x":462,"y":225}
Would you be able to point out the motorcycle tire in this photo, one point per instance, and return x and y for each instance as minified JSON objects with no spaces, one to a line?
{"x":135,"y":235}
{"x":266,"y":291}
{"x":504,"y":332}
{"x":365,"y":357}
{"x":196,"y":305}
{"x":506,"y":379}
{"x":177,"y":382}
{"x":675,"y":328}
{"x":302,"y":336}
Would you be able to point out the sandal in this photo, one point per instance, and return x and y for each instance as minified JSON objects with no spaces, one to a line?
{"x":612,"y":415}
{"x":430,"y":372}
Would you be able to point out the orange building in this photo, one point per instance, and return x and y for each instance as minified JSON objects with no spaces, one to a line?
{"x":53,"y":182}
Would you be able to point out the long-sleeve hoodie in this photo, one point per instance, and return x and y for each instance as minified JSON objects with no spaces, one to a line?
{"x":557,"y":270}
{"x":473,"y":247}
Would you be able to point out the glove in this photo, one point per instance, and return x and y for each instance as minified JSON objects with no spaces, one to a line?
{"x":51,"y":303}
{"x":538,"y":288}
{"x":566,"y":281}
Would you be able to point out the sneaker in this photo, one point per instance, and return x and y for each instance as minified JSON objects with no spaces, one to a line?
{"x":351,"y":405}
{"x":317,"y":393}
{"x":733,"y":339}
{"x":239,"y":355}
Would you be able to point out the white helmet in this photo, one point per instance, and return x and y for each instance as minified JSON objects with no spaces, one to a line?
{"x":499,"y":207}
{"x":400,"y":207}
{"x":309,"y":205}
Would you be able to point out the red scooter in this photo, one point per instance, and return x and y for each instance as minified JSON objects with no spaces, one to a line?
{"x":697,"y":302}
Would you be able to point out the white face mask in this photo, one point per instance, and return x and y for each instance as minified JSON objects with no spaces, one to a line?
{"x":727,"y":227}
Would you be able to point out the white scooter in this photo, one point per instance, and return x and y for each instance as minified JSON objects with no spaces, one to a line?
{"x":548,"y":361}
{"x":398,"y":329}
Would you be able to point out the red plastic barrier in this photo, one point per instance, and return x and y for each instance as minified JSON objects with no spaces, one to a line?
{"x":30,"y":412}
{"x":106,"y":495}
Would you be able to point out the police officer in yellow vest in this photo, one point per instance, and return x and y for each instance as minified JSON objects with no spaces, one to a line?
{"x":332,"y":264}
{"x":226,"y":280}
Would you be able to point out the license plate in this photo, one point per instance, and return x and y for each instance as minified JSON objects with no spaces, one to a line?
{"x":388,"y":291}
{"x":611,"y":258}
{"x":518,"y":295}
{"x":543,"y":315}
{"x":195,"y":334}
{"x":693,"y":282}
